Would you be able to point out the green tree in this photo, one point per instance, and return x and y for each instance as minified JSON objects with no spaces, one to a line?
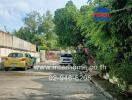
{"x":38,"y":29}
{"x":47,"y":28}
{"x":110,"y":40}
{"x":32,"y":21}
{"x":66,"y":25}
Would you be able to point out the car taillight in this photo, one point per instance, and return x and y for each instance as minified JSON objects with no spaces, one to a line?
{"x":23,"y":59}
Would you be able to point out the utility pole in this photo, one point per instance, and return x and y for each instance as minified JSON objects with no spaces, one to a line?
{"x":6,"y":29}
{"x":11,"y":36}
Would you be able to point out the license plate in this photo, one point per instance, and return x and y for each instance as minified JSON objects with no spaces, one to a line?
{"x":66,"y":59}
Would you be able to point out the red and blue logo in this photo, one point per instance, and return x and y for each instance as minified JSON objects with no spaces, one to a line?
{"x":102,"y":14}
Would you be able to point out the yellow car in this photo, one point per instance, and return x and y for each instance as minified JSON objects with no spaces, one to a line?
{"x":18,"y":60}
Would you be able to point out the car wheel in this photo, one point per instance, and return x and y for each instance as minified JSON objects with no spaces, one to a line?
{"x":32,"y":66}
{"x":6,"y":69}
{"x":71,"y":64}
{"x":61,"y":64}
{"x":25,"y":68}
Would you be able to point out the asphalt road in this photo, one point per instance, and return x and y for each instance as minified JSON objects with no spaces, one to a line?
{"x":46,"y":85}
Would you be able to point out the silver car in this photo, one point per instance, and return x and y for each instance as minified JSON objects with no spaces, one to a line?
{"x":66,"y":59}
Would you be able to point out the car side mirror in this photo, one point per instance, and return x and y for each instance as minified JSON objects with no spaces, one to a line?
{"x":31,"y":57}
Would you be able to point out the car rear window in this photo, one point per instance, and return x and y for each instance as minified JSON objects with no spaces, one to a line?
{"x":66,"y":55}
{"x":15,"y":55}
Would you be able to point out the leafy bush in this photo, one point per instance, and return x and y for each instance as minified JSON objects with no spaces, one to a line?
{"x":79,"y":59}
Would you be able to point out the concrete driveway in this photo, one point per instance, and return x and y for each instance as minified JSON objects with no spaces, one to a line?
{"x":36,"y":85}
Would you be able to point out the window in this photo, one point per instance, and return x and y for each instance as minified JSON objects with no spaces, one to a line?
{"x":15,"y":55}
{"x":66,"y":55}
{"x":28,"y":55}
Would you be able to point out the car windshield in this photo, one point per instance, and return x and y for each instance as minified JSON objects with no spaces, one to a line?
{"x":66,"y":55}
{"x":15,"y":55}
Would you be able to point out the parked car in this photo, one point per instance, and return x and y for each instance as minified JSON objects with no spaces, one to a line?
{"x":18,"y":60}
{"x":66,"y":59}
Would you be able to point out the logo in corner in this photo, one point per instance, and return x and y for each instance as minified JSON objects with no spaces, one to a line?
{"x":102,"y":14}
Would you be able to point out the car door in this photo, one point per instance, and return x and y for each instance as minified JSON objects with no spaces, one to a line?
{"x":27,"y":59}
{"x":30,"y":60}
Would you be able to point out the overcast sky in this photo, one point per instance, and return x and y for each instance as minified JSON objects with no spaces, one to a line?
{"x":13,"y":11}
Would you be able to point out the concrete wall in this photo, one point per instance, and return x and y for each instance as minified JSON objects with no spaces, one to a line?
{"x":10,"y":43}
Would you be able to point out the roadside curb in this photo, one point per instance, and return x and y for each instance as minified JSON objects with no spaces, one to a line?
{"x":102,"y":90}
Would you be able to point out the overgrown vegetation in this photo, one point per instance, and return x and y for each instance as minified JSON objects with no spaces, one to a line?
{"x":66,"y":25}
{"x":38,"y":30}
{"x":110,"y":42}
